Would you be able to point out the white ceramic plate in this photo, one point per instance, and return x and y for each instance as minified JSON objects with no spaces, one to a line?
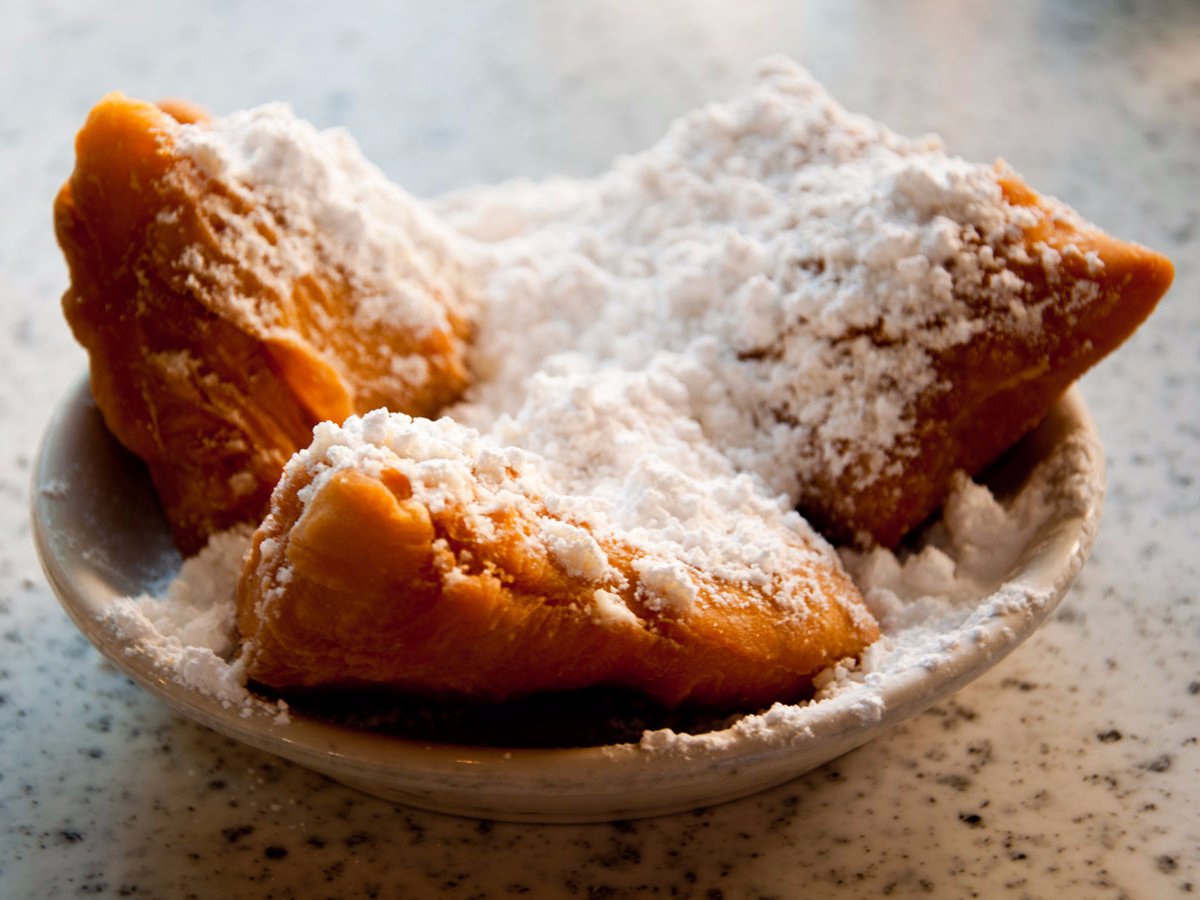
{"x":101,"y":535}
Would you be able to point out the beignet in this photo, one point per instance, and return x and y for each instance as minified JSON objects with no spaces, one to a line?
{"x":223,"y":321}
{"x":413,"y":554}
{"x":1054,"y":297}
{"x":855,"y":314}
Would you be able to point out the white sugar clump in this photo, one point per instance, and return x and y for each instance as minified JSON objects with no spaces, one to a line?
{"x":190,"y":633}
{"x":664,"y":355}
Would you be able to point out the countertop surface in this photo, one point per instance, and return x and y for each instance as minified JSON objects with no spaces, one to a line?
{"x":1069,"y":770}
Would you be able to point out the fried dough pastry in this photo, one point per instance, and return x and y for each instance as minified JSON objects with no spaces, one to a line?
{"x":1057,"y":299}
{"x":401,"y":552}
{"x":225,"y":315}
{"x":779,"y":304}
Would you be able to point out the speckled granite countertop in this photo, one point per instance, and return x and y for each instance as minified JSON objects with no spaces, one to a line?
{"x":1070,"y":770}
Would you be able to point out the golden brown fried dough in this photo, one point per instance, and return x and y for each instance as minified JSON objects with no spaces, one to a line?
{"x":222,"y":324}
{"x":1084,"y":293}
{"x":218,"y":324}
{"x":361,"y":575}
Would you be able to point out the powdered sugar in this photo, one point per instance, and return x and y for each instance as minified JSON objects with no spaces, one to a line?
{"x":190,"y":634}
{"x":669,"y":353}
{"x":379,"y":234}
{"x":688,"y":519}
{"x":308,"y":238}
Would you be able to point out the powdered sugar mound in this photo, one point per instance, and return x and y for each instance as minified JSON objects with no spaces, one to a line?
{"x":190,"y":634}
{"x":639,"y":465}
{"x":796,"y":268}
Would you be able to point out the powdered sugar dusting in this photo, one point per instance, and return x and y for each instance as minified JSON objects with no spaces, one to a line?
{"x":687,"y":521}
{"x":670,"y":353}
{"x":322,"y":184}
{"x":311,"y":223}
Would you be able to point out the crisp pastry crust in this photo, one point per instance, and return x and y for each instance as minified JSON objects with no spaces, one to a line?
{"x":374,"y":574}
{"x":218,"y":328}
